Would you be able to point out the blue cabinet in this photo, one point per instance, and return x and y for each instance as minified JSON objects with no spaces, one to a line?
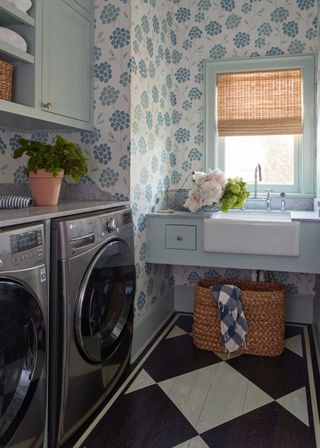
{"x":178,"y":240}
{"x":86,"y":4}
{"x":53,"y":80}
{"x":66,"y":61}
{"x":181,"y":237}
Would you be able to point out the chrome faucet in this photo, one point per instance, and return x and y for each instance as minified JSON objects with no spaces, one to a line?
{"x":283,"y":201}
{"x":268,"y":199}
{"x":257,"y":172}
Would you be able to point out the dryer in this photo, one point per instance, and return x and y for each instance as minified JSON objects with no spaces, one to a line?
{"x":23,"y":337}
{"x":93,"y":288}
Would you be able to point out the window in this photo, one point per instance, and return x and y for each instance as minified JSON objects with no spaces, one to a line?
{"x":277,"y":155}
{"x":262,"y":111}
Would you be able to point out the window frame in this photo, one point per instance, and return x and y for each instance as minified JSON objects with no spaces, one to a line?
{"x":305,"y":145}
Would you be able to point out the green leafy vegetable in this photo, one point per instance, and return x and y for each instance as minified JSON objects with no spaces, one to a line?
{"x":61,"y":155}
{"x":234,"y":195}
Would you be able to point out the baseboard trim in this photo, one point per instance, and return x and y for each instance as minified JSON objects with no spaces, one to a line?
{"x":147,"y":328}
{"x":316,"y":338}
{"x":299,"y":308}
{"x":183,"y":298}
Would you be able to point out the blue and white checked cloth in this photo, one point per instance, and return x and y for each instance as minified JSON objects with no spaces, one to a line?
{"x":234,"y":326}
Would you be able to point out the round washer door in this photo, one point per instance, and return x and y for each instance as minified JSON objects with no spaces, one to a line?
{"x":22,"y":349}
{"x":105,"y":301}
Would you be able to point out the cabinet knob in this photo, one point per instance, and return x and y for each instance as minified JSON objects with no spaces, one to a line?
{"x":179,"y":238}
{"x":47,"y":106}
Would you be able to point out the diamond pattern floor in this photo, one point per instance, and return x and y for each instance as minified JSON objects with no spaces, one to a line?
{"x":183,"y":397}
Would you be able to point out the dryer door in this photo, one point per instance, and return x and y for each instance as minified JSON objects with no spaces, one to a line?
{"x":105,"y":301}
{"x":22,"y":349}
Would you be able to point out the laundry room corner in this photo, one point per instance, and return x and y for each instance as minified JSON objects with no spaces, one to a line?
{"x":171,"y":298}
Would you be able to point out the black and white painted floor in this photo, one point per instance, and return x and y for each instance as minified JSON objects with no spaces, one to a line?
{"x":183,"y":397}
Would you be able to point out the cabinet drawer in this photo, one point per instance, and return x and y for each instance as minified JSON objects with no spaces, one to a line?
{"x":181,"y":237}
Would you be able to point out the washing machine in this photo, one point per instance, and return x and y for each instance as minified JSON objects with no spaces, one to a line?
{"x":93,"y":288}
{"x":23,"y":337}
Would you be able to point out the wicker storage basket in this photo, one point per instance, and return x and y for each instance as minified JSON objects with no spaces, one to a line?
{"x":6,"y":81}
{"x":263,"y":305}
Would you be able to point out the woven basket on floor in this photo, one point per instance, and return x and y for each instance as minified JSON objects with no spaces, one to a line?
{"x":6,"y":81}
{"x":263,"y":305}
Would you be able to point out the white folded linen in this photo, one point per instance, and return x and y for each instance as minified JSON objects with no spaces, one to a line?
{"x":23,"y":5}
{"x":12,"y":38}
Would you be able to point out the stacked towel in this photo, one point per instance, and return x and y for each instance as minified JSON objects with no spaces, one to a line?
{"x":12,"y":38}
{"x":234,"y":326}
{"x":23,"y":5}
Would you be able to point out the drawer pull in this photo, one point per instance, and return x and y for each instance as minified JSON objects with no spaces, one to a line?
{"x":181,"y":237}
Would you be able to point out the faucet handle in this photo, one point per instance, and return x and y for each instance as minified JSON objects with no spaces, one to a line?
{"x":283,"y":201}
{"x":268,"y":191}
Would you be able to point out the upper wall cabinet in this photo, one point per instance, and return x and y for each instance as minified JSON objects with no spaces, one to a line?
{"x":52,"y":80}
{"x":66,"y":58}
{"x":86,"y":4}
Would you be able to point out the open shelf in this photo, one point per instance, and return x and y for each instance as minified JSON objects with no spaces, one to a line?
{"x":30,"y":87}
{"x":13,"y":54}
{"x":10,"y":15}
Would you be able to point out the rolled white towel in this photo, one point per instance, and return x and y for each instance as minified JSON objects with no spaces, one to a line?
{"x":13,"y":38}
{"x":23,"y":5}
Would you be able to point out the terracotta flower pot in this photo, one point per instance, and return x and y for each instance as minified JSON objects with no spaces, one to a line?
{"x":45,"y":187}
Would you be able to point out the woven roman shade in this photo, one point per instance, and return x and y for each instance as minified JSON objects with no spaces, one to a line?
{"x":259,"y":103}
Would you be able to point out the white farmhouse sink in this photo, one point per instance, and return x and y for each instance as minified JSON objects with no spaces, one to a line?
{"x":252,"y":232}
{"x":254,"y":215}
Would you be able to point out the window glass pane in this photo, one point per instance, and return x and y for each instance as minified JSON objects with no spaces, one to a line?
{"x":275,"y":154}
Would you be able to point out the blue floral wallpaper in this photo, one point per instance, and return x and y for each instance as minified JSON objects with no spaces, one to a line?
{"x":170,"y":40}
{"x":149,"y":103}
{"x":302,"y":284}
{"x":151,"y":115}
{"x":108,"y":147}
{"x":225,"y":29}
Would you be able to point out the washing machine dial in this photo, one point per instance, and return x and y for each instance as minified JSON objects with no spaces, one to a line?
{"x":111,"y":225}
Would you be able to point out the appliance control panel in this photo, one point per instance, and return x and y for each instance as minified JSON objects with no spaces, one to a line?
{"x":25,"y":241}
{"x":111,"y":225}
{"x":80,"y":233}
{"x":116,"y":222}
{"x":22,"y":247}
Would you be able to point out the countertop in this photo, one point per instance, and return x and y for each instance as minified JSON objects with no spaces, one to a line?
{"x":12,"y":217}
{"x":296,"y":215}
{"x":312,"y":216}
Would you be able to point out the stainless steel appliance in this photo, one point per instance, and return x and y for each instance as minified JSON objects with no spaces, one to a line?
{"x":23,"y":337}
{"x":93,"y":287}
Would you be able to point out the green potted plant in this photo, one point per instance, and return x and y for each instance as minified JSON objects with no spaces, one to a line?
{"x":47,"y":165}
